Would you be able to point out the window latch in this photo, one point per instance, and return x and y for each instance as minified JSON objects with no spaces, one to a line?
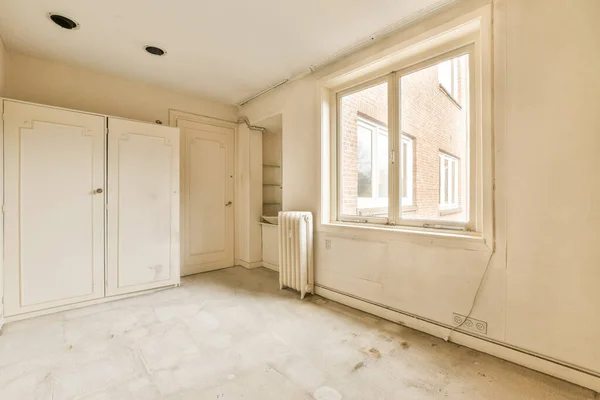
{"x":392,"y":156}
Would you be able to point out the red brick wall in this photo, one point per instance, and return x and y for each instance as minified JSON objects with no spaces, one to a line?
{"x":371,"y":103}
{"x":432,"y":119}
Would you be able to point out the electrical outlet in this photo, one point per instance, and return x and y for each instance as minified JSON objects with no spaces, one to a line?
{"x":470,"y":324}
{"x":328,"y":244}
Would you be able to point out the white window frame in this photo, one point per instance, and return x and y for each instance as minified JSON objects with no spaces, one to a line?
{"x":453,"y":179}
{"x":411,"y":52}
{"x":396,"y":201}
{"x":375,"y":201}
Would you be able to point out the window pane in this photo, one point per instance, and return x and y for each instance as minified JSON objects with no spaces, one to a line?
{"x":440,"y":128}
{"x":406,"y":171}
{"x":445,"y":75}
{"x":365,"y":162}
{"x":382,"y":160}
{"x":364,"y":152}
{"x":447,"y":182}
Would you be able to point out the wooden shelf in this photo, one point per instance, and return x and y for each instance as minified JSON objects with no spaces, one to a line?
{"x":271,"y":204}
{"x":272,"y":184}
{"x":271,"y":166}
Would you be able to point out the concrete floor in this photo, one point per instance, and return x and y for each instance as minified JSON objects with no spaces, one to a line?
{"x":230,"y":335}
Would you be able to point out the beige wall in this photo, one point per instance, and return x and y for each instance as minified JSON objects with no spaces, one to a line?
{"x":271,"y":156}
{"x":3,"y":62}
{"x":57,"y":84}
{"x":540,"y":293}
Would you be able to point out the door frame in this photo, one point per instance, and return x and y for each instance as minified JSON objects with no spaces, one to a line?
{"x":174,"y":117}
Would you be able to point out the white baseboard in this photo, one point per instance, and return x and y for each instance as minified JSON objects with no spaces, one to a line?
{"x":74,"y":306}
{"x":200,"y":269}
{"x":507,"y":352}
{"x":270,"y":266}
{"x":248,"y":265}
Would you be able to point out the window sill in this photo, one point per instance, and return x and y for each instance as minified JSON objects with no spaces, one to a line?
{"x":428,"y":236}
{"x":456,"y":103}
{"x":449,"y":211}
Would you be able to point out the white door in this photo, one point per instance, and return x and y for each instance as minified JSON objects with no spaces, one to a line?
{"x":207,"y":189}
{"x":54,"y":207}
{"x":143,"y":206}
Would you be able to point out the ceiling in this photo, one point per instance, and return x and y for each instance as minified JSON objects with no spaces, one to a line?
{"x":226,"y":50}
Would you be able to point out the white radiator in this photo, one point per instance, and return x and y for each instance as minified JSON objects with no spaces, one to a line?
{"x":296,"y":269}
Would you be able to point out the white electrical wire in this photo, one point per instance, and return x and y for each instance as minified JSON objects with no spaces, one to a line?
{"x":487,"y":267}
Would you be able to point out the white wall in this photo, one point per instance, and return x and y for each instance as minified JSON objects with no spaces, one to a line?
{"x":57,"y":84}
{"x":3,"y":62}
{"x":540,"y":293}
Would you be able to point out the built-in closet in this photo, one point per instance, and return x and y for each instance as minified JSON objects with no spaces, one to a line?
{"x":91,"y":207}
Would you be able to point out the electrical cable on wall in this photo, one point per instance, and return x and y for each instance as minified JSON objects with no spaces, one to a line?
{"x":487,"y":267}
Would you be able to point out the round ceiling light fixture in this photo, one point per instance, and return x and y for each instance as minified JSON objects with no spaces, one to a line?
{"x":155,"y":51}
{"x":63,"y":21}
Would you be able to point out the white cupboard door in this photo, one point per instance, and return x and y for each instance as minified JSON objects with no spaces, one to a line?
{"x":207,"y":188}
{"x":143,"y":206}
{"x":54,"y":207}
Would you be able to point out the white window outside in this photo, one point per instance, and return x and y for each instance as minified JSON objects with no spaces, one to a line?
{"x":448,"y":77}
{"x":373,"y":174}
{"x":448,"y":182}
{"x":372,"y":165}
{"x":406,"y":171}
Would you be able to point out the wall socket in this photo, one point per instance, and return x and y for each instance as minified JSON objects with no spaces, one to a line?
{"x":470,"y":324}
{"x":328,"y":244}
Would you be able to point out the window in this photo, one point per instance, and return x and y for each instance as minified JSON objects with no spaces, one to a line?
{"x":364,"y":153}
{"x":380,"y":176}
{"x":449,"y":77}
{"x":406,"y":170}
{"x":372,"y":167}
{"x":448,"y":182}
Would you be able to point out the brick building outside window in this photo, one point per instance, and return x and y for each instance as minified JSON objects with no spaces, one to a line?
{"x":433,"y":147}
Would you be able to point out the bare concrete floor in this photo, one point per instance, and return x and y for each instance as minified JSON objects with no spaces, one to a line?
{"x":231,"y":335}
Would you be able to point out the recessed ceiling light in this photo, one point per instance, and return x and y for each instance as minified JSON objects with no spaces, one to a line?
{"x":155,"y":51}
{"x":63,"y":22}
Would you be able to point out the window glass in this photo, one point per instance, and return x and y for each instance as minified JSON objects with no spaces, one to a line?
{"x":364,"y":156}
{"x":365,"y":162}
{"x":440,"y":132}
{"x":406,"y":170}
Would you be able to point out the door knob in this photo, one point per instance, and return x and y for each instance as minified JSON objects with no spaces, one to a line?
{"x":228,"y":204}
{"x":99,"y":190}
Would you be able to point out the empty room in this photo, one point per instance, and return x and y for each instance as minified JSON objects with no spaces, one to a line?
{"x":327,"y":200}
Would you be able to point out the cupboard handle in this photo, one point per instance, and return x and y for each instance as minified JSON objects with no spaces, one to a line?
{"x":99,"y":190}
{"x":228,"y":204}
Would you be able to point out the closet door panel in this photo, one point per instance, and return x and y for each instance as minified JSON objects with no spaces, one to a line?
{"x":143,"y":206}
{"x":54,"y":215}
